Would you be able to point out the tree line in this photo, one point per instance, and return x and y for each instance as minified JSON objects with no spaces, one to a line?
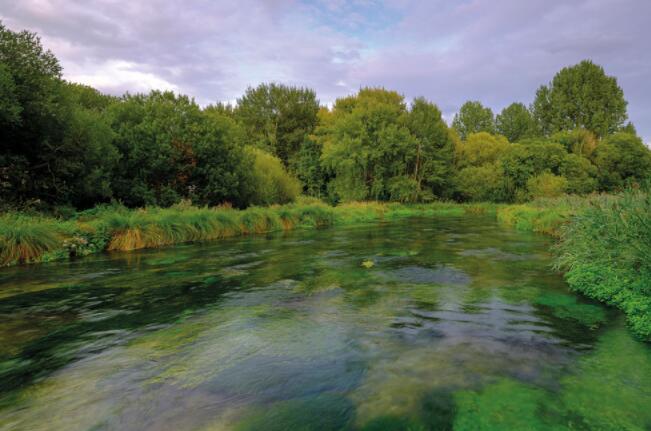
{"x":65,"y":144}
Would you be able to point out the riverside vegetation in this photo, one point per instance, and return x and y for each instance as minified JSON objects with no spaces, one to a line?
{"x":83,"y":172}
{"x":76,"y":164}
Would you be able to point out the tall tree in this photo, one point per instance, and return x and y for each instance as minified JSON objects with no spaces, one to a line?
{"x":277,"y":118}
{"x":367,"y":146}
{"x":432,"y":168}
{"x":515,"y":122}
{"x":581,"y":96}
{"x":473,"y":117}
{"x":170,"y":149}
{"x":54,"y":149}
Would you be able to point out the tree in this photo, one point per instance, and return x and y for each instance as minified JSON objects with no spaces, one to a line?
{"x":220,"y":169}
{"x":366,"y":143}
{"x":529,"y":158}
{"x":86,"y":155}
{"x":473,"y":117}
{"x":55,"y":149}
{"x":432,"y":169}
{"x":579,"y":141}
{"x":170,"y":149}
{"x":377,"y":149}
{"x":10,"y":107}
{"x":580,"y":173}
{"x":620,"y":159}
{"x":581,"y":96}
{"x":277,"y":118}
{"x":481,"y":183}
{"x":479,"y":149}
{"x":515,"y":122}
{"x":308,"y":168}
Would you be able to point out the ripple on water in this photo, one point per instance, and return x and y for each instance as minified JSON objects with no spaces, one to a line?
{"x":443,"y":274}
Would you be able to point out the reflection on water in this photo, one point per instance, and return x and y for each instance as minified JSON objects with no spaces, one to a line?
{"x":458,"y":324}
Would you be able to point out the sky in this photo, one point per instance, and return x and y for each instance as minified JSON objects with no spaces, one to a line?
{"x":494,"y":51}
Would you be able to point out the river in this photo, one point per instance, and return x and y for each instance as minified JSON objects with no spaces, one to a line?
{"x":444,"y":323}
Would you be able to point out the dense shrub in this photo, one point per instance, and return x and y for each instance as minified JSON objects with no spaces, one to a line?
{"x":546,"y":185}
{"x":272,"y":184}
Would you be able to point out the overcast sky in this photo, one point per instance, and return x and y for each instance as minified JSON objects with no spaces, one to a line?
{"x":495,"y":51}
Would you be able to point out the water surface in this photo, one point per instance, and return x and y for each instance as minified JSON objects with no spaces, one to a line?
{"x":447,"y":323}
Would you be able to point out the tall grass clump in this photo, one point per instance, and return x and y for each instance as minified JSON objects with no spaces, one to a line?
{"x":25,"y":239}
{"x":533,"y":218}
{"x":606,"y":253}
{"x":360,"y":212}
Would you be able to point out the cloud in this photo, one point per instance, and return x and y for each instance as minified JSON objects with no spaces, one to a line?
{"x":496,"y":51}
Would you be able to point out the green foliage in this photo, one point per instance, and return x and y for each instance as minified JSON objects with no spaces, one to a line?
{"x":376,"y":149}
{"x":581,"y":142}
{"x":622,"y":158}
{"x":546,"y":185}
{"x":366,"y":144}
{"x":271,"y":184}
{"x":481,"y":183}
{"x":479,"y":149}
{"x":580,"y":173}
{"x":516,"y":122}
{"x":605,"y":250}
{"x":473,"y":117}
{"x":67,"y":145}
{"x":521,"y":162}
{"x":54,"y":149}
{"x":309,"y":169}
{"x":534,"y":218}
{"x":581,"y":96}
{"x":278,"y":118}
{"x":169,"y":150}
{"x":220,"y":170}
{"x":433,"y":163}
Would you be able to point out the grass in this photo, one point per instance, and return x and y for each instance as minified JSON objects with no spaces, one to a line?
{"x":27,"y":239}
{"x":605,"y":254}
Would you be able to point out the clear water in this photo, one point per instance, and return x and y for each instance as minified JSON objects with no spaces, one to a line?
{"x":451,"y":323}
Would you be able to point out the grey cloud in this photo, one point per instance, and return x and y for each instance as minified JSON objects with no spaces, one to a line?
{"x":448,"y":51}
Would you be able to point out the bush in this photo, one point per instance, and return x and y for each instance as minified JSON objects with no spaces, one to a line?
{"x":272,"y":183}
{"x":546,"y":185}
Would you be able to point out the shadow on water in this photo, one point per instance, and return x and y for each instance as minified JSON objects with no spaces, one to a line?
{"x":437,"y":324}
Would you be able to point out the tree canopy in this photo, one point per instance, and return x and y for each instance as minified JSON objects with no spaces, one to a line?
{"x":581,"y":96}
{"x":473,"y":117}
{"x":277,"y":118}
{"x":516,"y":122}
{"x":66,"y":144}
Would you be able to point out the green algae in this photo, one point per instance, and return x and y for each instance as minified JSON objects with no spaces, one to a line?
{"x":568,"y":307}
